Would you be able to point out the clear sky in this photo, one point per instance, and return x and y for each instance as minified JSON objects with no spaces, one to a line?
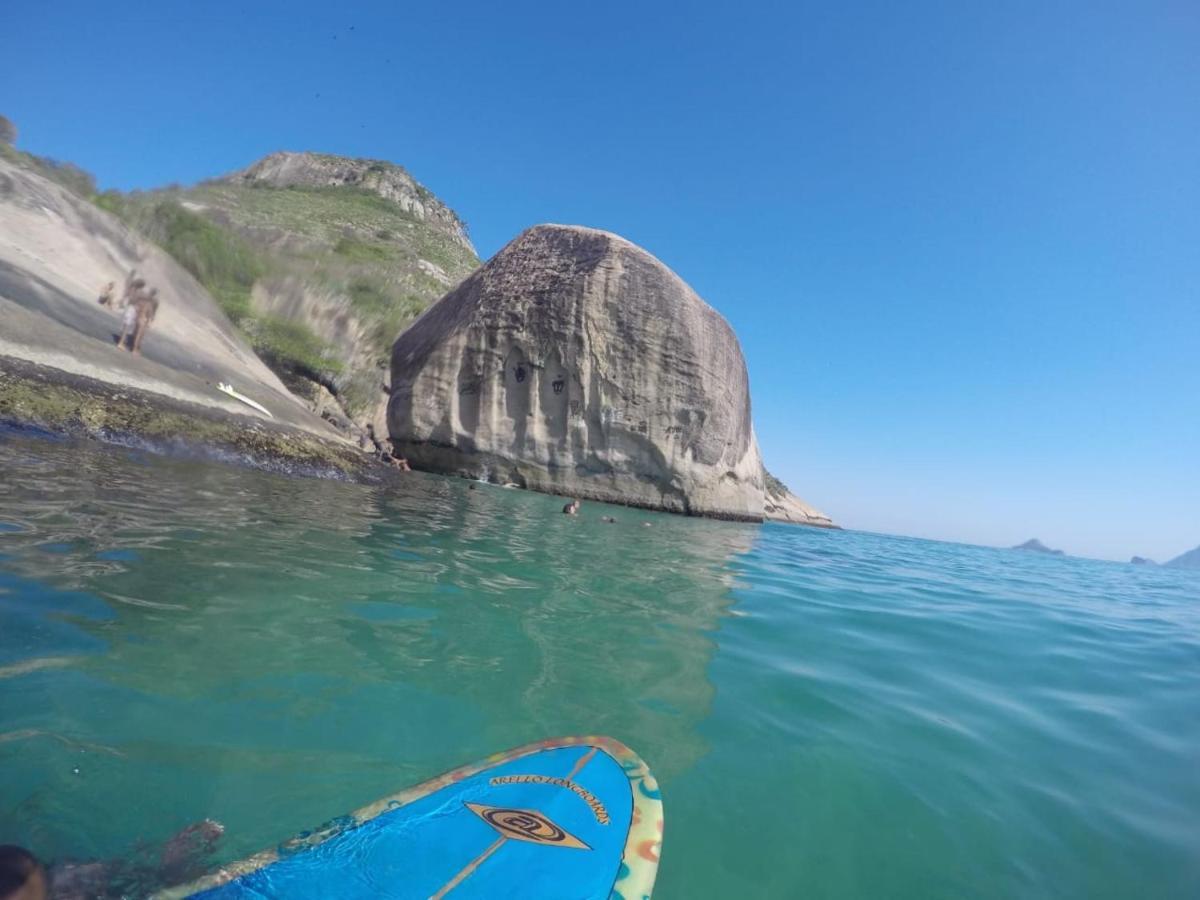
{"x":960,"y":242}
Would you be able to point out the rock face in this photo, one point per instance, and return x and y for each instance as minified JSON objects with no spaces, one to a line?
{"x":576,"y":363}
{"x":1036,"y":546}
{"x":1189,"y":560}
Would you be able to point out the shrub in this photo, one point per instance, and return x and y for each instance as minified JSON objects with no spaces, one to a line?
{"x":775,"y":487}
{"x":283,"y":342}
{"x":368,"y":298}
{"x":361,"y":251}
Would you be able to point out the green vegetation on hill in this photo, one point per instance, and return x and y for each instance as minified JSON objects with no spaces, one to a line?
{"x":365,"y":266}
{"x":775,"y":487}
{"x":320,"y":276}
{"x":222,"y":262}
{"x":228,"y":266}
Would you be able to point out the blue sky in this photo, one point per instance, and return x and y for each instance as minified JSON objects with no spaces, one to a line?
{"x":960,"y":242}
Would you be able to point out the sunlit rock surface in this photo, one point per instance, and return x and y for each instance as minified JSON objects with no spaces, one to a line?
{"x":575,"y":362}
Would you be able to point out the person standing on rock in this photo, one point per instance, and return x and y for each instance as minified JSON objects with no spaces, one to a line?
{"x":129,"y":302}
{"x":132,"y":285}
{"x":147,"y":309}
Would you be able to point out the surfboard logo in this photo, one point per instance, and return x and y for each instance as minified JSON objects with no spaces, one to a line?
{"x":526,"y":825}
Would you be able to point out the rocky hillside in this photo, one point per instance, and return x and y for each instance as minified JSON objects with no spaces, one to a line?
{"x":320,"y":261}
{"x":61,"y":369}
{"x":781,"y":505}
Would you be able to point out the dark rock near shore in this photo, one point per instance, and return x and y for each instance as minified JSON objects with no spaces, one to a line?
{"x":51,"y":401}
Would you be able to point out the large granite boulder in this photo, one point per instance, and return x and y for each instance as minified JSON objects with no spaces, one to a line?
{"x":576,"y":363}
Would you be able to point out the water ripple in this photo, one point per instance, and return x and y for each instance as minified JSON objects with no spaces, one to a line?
{"x":829,"y":714}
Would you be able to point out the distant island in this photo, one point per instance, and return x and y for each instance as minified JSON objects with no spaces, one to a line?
{"x":1142,"y":561}
{"x":1036,"y":546}
{"x":1189,"y":560}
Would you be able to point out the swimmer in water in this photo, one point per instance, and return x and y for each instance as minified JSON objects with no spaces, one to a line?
{"x":571,"y":508}
{"x":182,"y":858}
{"x":22,"y":877}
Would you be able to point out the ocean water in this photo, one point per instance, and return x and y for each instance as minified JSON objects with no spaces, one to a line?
{"x":830,"y":714}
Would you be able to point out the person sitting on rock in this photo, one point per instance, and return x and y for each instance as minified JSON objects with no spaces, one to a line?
{"x":108,"y":295}
{"x":373,"y":443}
{"x":397,"y":460}
{"x":147,"y":309}
{"x":571,"y":508}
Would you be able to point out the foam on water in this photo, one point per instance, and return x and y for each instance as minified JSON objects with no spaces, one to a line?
{"x":829,"y":714}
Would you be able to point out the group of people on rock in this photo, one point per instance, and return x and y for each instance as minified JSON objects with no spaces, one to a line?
{"x":369,"y":441}
{"x":138,"y":306}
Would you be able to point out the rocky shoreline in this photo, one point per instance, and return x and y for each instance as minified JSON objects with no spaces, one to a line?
{"x":41,"y":399}
{"x":573,"y":362}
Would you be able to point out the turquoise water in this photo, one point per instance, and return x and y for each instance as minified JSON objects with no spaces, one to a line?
{"x":829,"y":714}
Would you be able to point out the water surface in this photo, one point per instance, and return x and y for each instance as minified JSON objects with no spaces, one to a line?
{"x":829,"y":714}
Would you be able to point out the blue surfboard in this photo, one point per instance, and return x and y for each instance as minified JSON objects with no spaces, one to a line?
{"x":577,"y":817}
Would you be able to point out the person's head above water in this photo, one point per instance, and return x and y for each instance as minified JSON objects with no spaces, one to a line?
{"x":571,"y":508}
{"x":22,"y":877}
